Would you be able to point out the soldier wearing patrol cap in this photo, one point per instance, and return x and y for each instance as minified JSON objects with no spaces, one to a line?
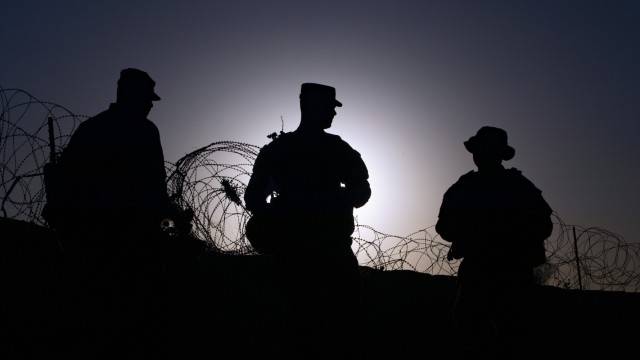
{"x":111,"y":186}
{"x":316,"y":180}
{"x":114,"y":163}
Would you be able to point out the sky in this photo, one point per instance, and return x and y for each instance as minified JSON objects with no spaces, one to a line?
{"x":417,"y":78}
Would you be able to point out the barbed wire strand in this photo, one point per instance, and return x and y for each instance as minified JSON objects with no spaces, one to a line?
{"x":211,"y":181}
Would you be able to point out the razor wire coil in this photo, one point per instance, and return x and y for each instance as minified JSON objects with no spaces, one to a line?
{"x":211,"y":182}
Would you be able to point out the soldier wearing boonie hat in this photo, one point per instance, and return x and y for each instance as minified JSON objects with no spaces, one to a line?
{"x":497,"y":222}
{"x":490,"y":142}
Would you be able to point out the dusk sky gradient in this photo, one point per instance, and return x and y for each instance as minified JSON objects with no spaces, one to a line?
{"x":417,"y":78}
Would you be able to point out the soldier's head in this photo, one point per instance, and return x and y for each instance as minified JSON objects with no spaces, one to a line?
{"x":317,"y":104}
{"x":489,"y":147}
{"x":136,"y":91}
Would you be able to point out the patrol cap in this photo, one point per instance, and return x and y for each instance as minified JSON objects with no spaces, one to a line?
{"x":138,"y":81}
{"x":490,"y":141}
{"x":319,"y":92}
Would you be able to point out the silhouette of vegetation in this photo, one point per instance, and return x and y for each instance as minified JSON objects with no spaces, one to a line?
{"x":606,"y":260}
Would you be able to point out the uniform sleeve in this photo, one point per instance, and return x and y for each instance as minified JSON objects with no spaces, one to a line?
{"x":157,"y":174}
{"x":255,"y":194}
{"x":356,"y":182}
{"x":75,"y":153}
{"x":446,"y":221}
{"x":455,"y":221}
{"x":537,"y":223}
{"x":77,"y":165}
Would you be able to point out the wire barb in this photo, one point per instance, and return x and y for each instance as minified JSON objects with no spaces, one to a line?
{"x":211,"y":181}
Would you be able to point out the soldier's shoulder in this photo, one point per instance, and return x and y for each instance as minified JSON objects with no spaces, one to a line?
{"x":468,"y":177}
{"x":95,"y":124}
{"x":518,"y":178}
{"x":514,"y":172}
{"x":463,"y":182}
{"x":336,"y":142}
{"x":334,"y":137}
{"x":277,"y":143}
{"x":95,"y":119}
{"x":150,"y":127}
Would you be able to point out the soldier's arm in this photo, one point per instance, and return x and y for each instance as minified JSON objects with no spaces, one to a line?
{"x":454,"y":221}
{"x":445,"y":226}
{"x":542,"y":225}
{"x":158,"y":173}
{"x":255,"y":196}
{"x":357,"y":187}
{"x":537,"y":223}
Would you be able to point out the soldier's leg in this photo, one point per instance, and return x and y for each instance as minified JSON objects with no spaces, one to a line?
{"x":473,"y":318}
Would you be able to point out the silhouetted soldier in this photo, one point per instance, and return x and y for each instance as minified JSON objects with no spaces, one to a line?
{"x":113,"y":199}
{"x":318,"y":180}
{"x":496,"y":221}
{"x":115,"y":164}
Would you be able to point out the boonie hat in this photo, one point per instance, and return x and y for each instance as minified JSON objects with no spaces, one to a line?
{"x":490,"y":141}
